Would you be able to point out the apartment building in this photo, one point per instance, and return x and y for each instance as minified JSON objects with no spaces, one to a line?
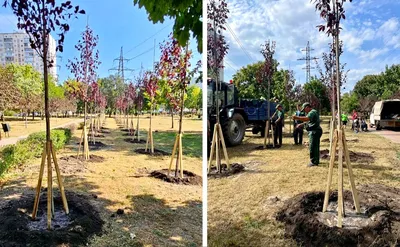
{"x":15,"y":48}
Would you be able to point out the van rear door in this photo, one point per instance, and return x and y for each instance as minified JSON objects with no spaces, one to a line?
{"x":377,"y":110}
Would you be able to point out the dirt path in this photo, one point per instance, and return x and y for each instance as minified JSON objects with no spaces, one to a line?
{"x":12,"y":140}
{"x":138,"y":210}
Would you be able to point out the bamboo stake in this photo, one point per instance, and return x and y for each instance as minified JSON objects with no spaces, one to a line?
{"x":59,"y":179}
{"x":331,"y":164}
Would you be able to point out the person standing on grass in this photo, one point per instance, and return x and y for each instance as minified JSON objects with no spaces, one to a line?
{"x":298,"y":132}
{"x":278,"y":126}
{"x":314,"y":131}
{"x":345,"y":119}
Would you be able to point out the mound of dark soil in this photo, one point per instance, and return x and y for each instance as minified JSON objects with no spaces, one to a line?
{"x":377,"y":225}
{"x":99,"y":135}
{"x":225,"y":172}
{"x":18,"y":229}
{"x":189,"y":178}
{"x":157,"y":152}
{"x":92,"y":158}
{"x":354,"y":156}
{"x":131,"y":140}
{"x":95,"y":145}
{"x":105,"y":131}
{"x":348,"y":140}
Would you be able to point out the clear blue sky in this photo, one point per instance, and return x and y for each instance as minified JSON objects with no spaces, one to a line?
{"x":117,"y":23}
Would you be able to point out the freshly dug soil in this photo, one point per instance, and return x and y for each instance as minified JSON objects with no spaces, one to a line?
{"x":95,"y":145}
{"x":354,"y":156}
{"x":99,"y":135}
{"x":157,"y":152}
{"x":18,"y":229}
{"x":131,"y":140}
{"x":225,"y":172}
{"x":189,"y":178}
{"x":104,"y":131}
{"x":125,"y":130}
{"x":92,"y":158}
{"x":377,"y":225}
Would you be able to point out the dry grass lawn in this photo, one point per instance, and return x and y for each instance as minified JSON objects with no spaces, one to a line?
{"x":241,"y":211}
{"x":156,"y":213}
{"x":18,"y":125}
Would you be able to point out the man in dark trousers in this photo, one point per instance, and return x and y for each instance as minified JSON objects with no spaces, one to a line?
{"x":314,"y":131}
{"x":279,"y":116}
{"x":298,"y":132}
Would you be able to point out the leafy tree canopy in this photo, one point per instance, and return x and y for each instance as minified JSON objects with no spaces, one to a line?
{"x":187,"y":15}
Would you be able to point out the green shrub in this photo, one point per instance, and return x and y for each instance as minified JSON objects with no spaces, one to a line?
{"x":9,"y":113}
{"x":31,"y":147}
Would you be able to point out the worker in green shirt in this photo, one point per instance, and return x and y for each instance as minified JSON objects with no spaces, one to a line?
{"x":314,"y":129}
{"x":278,"y":124}
{"x":344,"y":119}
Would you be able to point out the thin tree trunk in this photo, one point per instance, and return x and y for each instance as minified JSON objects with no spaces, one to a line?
{"x":172,"y":119}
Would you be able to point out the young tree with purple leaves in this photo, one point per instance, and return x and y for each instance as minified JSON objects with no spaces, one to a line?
{"x":264,"y":77}
{"x":174,"y":68}
{"x":217,"y":48}
{"x":150,"y":81}
{"x":84,"y":69}
{"x":333,"y":12}
{"x":38,"y":18}
{"x":131,"y":95}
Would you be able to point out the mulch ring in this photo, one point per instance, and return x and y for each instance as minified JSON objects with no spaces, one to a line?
{"x":124,"y":129}
{"x":105,"y":130}
{"x":354,"y":156}
{"x":377,"y":225}
{"x":99,"y":135}
{"x":95,"y":145}
{"x":75,"y":229}
{"x":189,"y":178}
{"x":157,"y":152}
{"x":225,"y":172}
{"x":134,"y":140}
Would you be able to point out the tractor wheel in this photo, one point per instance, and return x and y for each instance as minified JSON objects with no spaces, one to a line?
{"x":234,"y":130}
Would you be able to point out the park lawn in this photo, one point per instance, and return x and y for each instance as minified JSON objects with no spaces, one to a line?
{"x":242,"y":208}
{"x":156,"y":212}
{"x":18,"y":125}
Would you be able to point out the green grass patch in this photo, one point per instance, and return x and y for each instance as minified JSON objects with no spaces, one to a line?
{"x":192,"y":143}
{"x":31,"y":147}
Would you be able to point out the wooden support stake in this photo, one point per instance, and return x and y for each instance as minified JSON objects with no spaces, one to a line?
{"x":217,"y":153}
{"x":330,"y":172}
{"x":80,"y":144}
{"x":49,"y":186}
{"x":147,"y":141}
{"x":180,"y":154}
{"x":340,"y":181}
{"x":39,"y":186}
{"x":213,"y":141}
{"x":173,"y":153}
{"x":351,"y":176}
{"x":224,"y":148}
{"x":59,"y":179}
{"x":266,"y":134}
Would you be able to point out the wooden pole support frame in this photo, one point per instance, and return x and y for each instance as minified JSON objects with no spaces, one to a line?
{"x":48,"y":155}
{"x":339,"y":140}
{"x":217,"y":141}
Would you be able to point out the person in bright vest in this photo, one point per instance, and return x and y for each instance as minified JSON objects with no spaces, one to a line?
{"x":344,"y":119}
{"x":314,"y":129}
{"x":298,"y":132}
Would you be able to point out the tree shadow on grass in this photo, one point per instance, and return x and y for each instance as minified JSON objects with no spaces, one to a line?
{"x":171,"y":226}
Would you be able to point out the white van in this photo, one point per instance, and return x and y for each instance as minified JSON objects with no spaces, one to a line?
{"x":386,"y":114}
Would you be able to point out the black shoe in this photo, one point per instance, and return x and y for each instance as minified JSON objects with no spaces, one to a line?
{"x":311,"y":165}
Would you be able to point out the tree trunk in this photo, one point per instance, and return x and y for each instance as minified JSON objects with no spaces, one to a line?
{"x":172,"y":119}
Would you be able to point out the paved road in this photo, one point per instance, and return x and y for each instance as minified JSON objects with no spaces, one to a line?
{"x":12,"y":140}
{"x":392,"y":135}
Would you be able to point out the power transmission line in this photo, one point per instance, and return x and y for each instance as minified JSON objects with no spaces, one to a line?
{"x":308,"y":58}
{"x":238,"y":42}
{"x":121,"y":68}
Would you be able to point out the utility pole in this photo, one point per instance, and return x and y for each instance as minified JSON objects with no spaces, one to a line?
{"x":308,"y":58}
